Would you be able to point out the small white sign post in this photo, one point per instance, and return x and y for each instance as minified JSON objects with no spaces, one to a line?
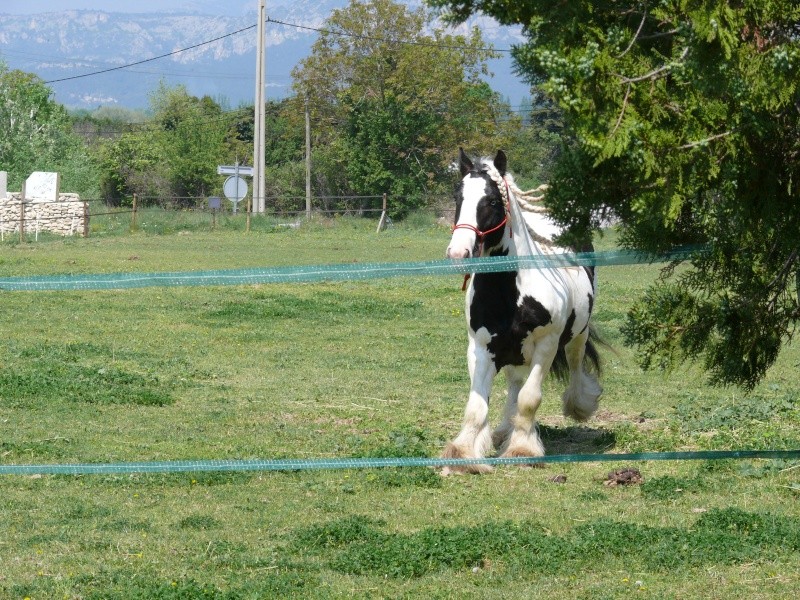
{"x":235,"y":189}
{"x":234,"y":170}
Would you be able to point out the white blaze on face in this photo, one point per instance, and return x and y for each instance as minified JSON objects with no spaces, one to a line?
{"x":463,"y":240}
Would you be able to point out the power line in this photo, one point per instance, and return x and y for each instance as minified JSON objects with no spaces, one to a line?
{"x":286,"y":24}
{"x":83,"y":62}
{"x":381,"y":39}
{"x":222,"y":37}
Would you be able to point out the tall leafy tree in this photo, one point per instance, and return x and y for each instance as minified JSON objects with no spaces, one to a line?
{"x":132,"y":163}
{"x":192,"y":133}
{"x":176,"y":152}
{"x":535,"y":145}
{"x":685,"y":122}
{"x":391,"y":97}
{"x":36,"y":135}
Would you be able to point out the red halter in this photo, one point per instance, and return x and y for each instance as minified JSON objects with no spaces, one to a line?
{"x":478,"y":232}
{"x":482,"y":234}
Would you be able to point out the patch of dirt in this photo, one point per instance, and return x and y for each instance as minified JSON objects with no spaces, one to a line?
{"x":575,"y":439}
{"x":627,"y":476}
{"x":606,"y":416}
{"x":341,"y":422}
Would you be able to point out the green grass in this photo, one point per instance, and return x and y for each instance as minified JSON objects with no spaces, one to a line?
{"x":366,"y":369}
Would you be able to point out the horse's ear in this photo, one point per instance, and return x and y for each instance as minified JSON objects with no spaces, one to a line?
{"x":500,"y":162}
{"x":464,"y":162}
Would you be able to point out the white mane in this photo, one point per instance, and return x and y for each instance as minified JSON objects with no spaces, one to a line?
{"x":526,"y":207}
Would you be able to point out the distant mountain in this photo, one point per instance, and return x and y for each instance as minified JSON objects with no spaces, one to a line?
{"x":59,"y":45}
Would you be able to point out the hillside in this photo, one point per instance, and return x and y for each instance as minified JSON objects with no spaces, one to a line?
{"x":59,"y":45}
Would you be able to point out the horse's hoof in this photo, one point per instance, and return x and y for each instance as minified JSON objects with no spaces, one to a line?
{"x":453,"y":451}
{"x":466,"y":470}
{"x":524,"y":453}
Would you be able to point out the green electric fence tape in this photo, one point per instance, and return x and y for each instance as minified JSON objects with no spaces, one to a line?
{"x":336,"y":272}
{"x":318,"y":464}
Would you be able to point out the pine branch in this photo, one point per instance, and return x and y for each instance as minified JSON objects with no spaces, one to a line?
{"x":636,"y":35}
{"x":622,"y":112}
{"x":705,"y":141}
{"x":657,"y":72}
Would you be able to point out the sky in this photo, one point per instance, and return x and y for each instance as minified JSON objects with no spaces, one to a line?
{"x":213,"y":7}
{"x":505,"y":83}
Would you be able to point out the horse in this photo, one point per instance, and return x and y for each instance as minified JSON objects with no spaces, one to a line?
{"x":523,"y":322}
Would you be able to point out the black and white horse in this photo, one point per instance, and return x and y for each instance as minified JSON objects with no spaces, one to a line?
{"x":522,"y":322}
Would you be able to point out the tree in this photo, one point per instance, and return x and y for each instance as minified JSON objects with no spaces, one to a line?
{"x":684,"y":117}
{"x":535,"y":144}
{"x":36,"y":135}
{"x":132,"y":164}
{"x":175,"y":153}
{"x":390,"y":101}
{"x":191,"y":133}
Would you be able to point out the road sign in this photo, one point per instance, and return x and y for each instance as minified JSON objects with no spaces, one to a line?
{"x":234,"y":170}
{"x":235,"y":188}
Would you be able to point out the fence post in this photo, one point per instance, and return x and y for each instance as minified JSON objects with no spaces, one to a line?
{"x":382,"y":222}
{"x":133,"y":214}
{"x":85,"y":219}
{"x":250,"y":204}
{"x":22,"y":218}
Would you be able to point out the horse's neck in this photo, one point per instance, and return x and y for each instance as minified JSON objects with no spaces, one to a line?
{"x":521,"y":242}
{"x":532,"y":234}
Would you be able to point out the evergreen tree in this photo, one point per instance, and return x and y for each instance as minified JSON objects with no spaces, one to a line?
{"x":684,"y":121}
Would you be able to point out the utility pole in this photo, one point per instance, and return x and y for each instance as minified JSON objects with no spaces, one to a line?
{"x":308,"y":162}
{"x":260,"y":117}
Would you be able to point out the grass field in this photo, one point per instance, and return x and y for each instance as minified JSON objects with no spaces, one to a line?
{"x":347,"y":369}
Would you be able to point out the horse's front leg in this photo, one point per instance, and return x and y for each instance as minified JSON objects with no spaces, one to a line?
{"x":475,"y":438}
{"x":515,"y":377}
{"x":524,"y":439}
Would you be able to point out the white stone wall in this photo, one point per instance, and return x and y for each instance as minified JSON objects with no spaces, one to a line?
{"x":65,"y":217}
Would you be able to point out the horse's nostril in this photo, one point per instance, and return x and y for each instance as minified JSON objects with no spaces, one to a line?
{"x":453,"y":253}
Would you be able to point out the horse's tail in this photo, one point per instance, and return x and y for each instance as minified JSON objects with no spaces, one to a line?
{"x":591,"y":358}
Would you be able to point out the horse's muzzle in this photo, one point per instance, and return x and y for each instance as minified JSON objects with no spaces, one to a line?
{"x":458,"y":252}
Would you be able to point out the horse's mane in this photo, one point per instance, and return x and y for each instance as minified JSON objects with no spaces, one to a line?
{"x":527,"y":201}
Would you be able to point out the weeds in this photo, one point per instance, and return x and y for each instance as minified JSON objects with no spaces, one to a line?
{"x":43,"y":374}
{"x":358,"y":546}
{"x":408,"y":442}
{"x":698,"y":414}
{"x":201,"y":522}
{"x":669,"y":487}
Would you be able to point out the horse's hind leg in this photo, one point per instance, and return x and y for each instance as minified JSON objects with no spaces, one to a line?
{"x":475,"y":438}
{"x":580,"y":399}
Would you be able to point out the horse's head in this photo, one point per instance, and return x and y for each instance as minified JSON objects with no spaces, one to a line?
{"x":480,"y":208}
